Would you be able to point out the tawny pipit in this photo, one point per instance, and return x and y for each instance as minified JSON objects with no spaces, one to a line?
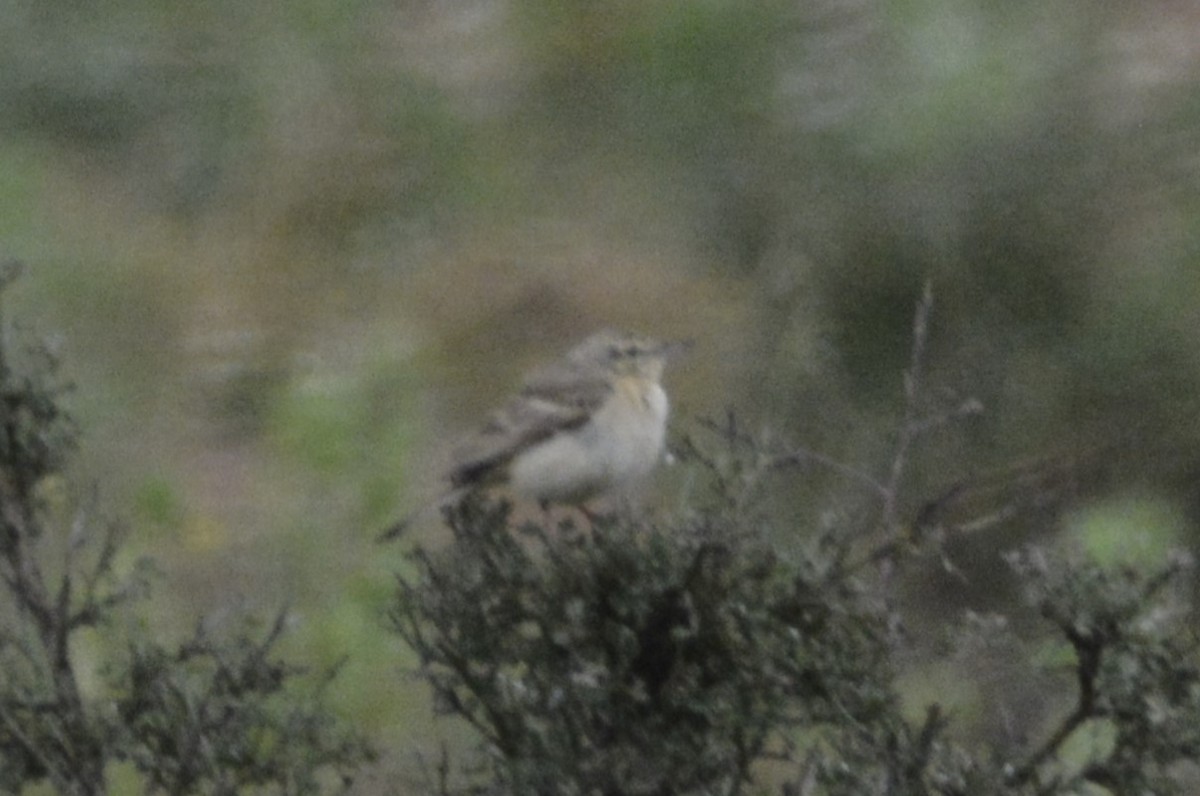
{"x":592,"y":424}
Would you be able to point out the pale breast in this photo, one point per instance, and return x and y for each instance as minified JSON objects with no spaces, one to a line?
{"x":618,"y":447}
{"x":633,"y":428}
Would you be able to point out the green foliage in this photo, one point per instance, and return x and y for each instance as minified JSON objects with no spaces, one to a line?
{"x":1134,"y":530}
{"x":318,"y":426}
{"x":159,"y":503}
{"x":222,"y":715}
{"x":1137,"y":666}
{"x":351,"y":433}
{"x":631,"y":658}
{"x":38,"y":436}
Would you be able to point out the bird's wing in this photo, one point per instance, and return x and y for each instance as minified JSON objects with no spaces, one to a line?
{"x":554,"y":399}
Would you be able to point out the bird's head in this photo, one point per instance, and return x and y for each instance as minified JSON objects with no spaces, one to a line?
{"x":624,"y":354}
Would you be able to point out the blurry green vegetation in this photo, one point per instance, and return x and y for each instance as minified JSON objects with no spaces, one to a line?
{"x":1128,"y":529}
{"x":159,"y":504}
{"x":216,"y":713}
{"x":290,"y":251}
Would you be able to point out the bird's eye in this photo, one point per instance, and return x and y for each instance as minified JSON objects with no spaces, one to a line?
{"x":632,"y":351}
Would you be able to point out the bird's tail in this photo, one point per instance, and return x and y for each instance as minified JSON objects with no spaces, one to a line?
{"x":399,"y":528}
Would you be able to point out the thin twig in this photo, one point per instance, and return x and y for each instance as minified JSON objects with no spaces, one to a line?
{"x":909,"y":426}
{"x":801,"y":456}
{"x":1088,"y":650}
{"x":31,"y":748}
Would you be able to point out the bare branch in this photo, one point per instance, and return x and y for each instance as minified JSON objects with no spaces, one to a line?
{"x":910,"y":427}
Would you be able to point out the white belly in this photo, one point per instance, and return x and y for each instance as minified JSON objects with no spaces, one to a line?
{"x":611,"y":453}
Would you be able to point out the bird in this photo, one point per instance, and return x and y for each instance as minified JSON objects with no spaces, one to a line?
{"x":588,"y":425}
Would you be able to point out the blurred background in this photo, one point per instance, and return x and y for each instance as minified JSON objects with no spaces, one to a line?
{"x":287,"y":251}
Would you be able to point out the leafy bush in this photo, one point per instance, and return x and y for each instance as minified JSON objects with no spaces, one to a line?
{"x":633,"y":659}
{"x":213,"y":715}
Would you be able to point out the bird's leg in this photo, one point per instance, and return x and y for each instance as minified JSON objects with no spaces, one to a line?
{"x":594,"y":515}
{"x":547,"y":516}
